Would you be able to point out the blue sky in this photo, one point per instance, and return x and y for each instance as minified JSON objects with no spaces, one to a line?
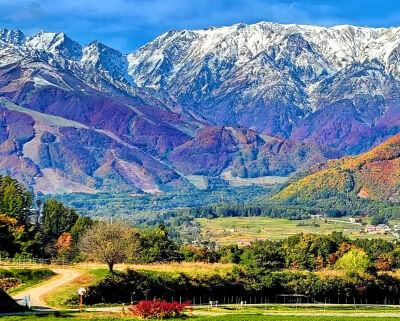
{"x":128,"y":24}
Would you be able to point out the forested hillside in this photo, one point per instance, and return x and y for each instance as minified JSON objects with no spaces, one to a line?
{"x":374,"y":175}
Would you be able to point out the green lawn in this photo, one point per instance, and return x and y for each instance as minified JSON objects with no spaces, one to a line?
{"x":243,"y":317}
{"x":250,"y":317}
{"x":26,"y":277}
{"x":300,"y":308}
{"x":227,"y":230}
{"x":277,"y":312}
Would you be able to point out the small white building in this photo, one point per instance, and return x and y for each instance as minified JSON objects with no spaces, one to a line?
{"x":317,"y":216}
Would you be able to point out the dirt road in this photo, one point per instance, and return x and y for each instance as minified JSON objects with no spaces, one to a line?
{"x":63,"y":277}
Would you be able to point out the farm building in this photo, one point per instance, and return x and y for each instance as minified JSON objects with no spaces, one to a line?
{"x":382,"y":228}
{"x":370,"y":228}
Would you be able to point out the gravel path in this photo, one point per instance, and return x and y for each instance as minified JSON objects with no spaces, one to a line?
{"x":63,"y":277}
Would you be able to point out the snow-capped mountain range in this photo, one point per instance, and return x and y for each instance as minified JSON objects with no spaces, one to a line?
{"x":265,"y":76}
{"x":335,"y":87}
{"x":278,"y":78}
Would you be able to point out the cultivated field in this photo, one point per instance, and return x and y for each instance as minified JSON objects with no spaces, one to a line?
{"x":245,"y":229}
{"x":263,"y":180}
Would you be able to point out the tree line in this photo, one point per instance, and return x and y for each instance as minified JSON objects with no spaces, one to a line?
{"x":296,"y":268}
{"x":49,"y":229}
{"x":241,"y":284}
{"x":32,"y":228}
{"x":116,"y":243}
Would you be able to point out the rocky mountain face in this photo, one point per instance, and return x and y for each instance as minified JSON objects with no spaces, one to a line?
{"x":193,"y":102}
{"x":372,"y":175}
{"x":74,"y":120}
{"x":333,"y":86}
{"x":337,"y":86}
{"x":243,"y":153}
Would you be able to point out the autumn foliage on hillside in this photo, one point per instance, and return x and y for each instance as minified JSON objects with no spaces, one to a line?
{"x":374,"y":175}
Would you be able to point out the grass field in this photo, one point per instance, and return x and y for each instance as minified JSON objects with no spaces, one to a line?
{"x":185,"y":267}
{"x":26,"y":277}
{"x":245,"y":229}
{"x":316,"y":309}
{"x":231,"y":317}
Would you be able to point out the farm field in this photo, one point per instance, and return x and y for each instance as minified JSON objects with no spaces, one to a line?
{"x":242,"y":230}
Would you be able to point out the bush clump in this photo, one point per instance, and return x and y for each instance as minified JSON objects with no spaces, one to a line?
{"x":158,"y":309}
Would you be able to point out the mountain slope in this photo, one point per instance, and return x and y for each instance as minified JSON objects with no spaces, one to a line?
{"x":193,"y":102}
{"x":294,"y":81}
{"x":245,"y":154}
{"x":332,"y":86}
{"x":62,"y":133}
{"x":373,"y":175}
{"x":71,"y":137}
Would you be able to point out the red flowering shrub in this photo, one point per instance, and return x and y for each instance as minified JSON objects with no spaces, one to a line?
{"x":158,"y":309}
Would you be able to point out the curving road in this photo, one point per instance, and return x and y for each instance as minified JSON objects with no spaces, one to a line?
{"x":64,"y":276}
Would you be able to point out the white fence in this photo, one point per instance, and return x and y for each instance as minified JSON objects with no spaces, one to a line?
{"x":27,"y":261}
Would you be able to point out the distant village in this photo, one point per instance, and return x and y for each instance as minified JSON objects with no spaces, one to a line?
{"x":382,"y":229}
{"x":369,"y":228}
{"x":359,"y":225}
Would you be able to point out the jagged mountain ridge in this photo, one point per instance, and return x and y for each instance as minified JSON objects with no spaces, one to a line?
{"x":293,"y":81}
{"x":334,"y":86}
{"x":65,"y":129}
{"x":282,"y":79}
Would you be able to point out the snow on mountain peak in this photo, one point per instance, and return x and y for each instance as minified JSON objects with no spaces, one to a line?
{"x":236,"y":68}
{"x":56,"y":43}
{"x":254,"y":61}
{"x":296,"y":81}
{"x":12,"y":36}
{"x":99,"y":56}
{"x":340,"y":45}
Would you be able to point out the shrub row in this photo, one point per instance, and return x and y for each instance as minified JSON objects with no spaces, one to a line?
{"x":243,"y":284}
